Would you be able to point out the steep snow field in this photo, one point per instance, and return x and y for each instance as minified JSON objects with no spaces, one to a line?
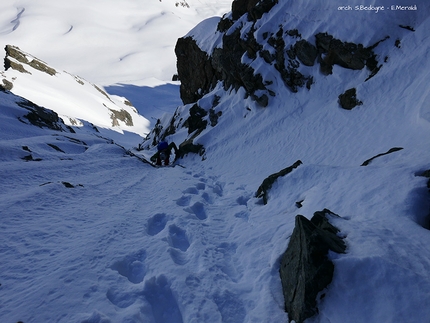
{"x":132,"y":243}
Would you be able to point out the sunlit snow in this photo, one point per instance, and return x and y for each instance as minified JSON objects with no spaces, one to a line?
{"x":90,"y":234}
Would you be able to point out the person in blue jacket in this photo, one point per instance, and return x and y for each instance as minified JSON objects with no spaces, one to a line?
{"x":163,"y":153}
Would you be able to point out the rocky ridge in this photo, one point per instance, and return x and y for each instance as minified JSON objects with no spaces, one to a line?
{"x":249,"y":56}
{"x":20,"y":66}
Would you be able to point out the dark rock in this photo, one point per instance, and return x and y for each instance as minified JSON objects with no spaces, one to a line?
{"x":196,"y":119}
{"x":121,"y":115}
{"x":397,"y":43}
{"x":68,"y":185}
{"x":13,"y":52}
{"x":392,"y":150}
{"x":227,"y":62}
{"x":299,"y":204}
{"x":305,"y":268}
{"x":292,"y":78}
{"x":224,"y":24}
{"x":15,"y":66}
{"x":213,"y":117}
{"x":55,"y":147}
{"x":427,"y":175}
{"x":262,"y":191}
{"x":194,"y":70}
{"x":306,"y":52}
{"x":293,"y":33}
{"x":7,"y":86}
{"x":240,"y":7}
{"x":344,"y":54}
{"x":41,"y":117}
{"x":189,"y":147}
{"x":258,"y":10}
{"x":407,"y":27}
{"x":30,"y":158}
{"x":16,"y":53}
{"x":348,"y":100}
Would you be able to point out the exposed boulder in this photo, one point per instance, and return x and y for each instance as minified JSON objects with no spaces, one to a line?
{"x":306,"y":269}
{"x":348,"y":100}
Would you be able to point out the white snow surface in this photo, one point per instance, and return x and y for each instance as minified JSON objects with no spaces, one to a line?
{"x":133,"y":243}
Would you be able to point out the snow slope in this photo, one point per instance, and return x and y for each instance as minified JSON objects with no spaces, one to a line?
{"x":132,"y":243}
{"x":103,"y":41}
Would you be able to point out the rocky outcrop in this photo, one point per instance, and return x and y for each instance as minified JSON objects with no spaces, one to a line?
{"x":196,"y":120}
{"x":345,"y":54}
{"x":427,"y":175}
{"x":14,"y":56}
{"x":120,"y":115}
{"x":306,"y":269}
{"x":392,"y":150}
{"x":195,"y":70}
{"x":306,"y":52}
{"x":42,"y":117}
{"x":254,"y":8}
{"x":284,"y":50}
{"x":264,"y":188}
{"x":348,"y":100}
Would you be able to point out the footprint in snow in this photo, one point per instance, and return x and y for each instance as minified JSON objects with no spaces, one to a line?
{"x":230,"y":307}
{"x":156,"y":224}
{"x":242,"y":200}
{"x":164,"y":306}
{"x":178,"y":257}
{"x":120,"y":298}
{"x":183,"y":201}
{"x":132,"y":267}
{"x":191,"y":190}
{"x":198,"y":210}
{"x":201,"y":186}
{"x":218,"y":188}
{"x":177,"y":238}
{"x":207,"y":198}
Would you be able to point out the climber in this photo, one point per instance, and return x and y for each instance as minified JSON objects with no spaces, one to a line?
{"x":163,"y":153}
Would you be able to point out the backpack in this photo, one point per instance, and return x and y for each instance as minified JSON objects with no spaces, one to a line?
{"x":162,"y":146}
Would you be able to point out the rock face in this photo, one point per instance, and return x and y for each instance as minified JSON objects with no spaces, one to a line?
{"x":13,"y":52}
{"x":194,"y":70}
{"x":283,"y":50}
{"x":305,"y":267}
{"x":252,"y":50}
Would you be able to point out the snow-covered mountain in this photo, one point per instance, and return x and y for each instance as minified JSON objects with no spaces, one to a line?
{"x":92,"y":234}
{"x":73,"y":98}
